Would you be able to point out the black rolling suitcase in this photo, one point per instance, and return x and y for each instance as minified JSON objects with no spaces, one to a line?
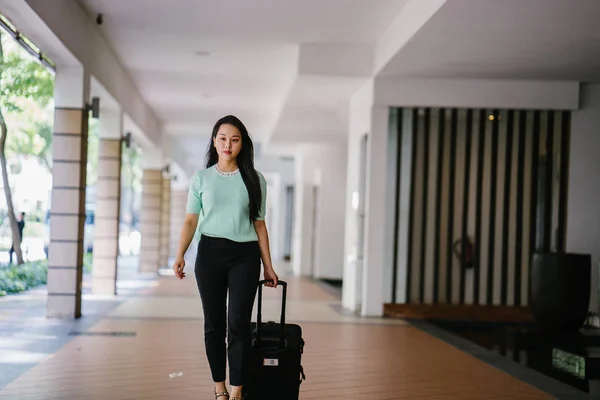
{"x":276,"y":371}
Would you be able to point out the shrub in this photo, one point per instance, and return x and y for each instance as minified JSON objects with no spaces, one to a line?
{"x":18,"y":278}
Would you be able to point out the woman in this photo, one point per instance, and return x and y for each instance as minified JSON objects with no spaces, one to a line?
{"x":230,"y":195}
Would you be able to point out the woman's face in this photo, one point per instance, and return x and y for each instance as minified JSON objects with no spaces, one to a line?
{"x":228,"y":142}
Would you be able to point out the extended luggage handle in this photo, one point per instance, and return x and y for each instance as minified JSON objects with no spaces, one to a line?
{"x":259,"y":310}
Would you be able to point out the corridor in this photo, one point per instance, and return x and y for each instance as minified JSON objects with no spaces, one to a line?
{"x":150,"y":346}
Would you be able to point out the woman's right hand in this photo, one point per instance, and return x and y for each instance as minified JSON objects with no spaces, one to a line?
{"x":178,"y":267}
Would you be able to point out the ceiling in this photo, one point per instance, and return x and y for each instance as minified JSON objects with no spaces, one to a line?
{"x":194,"y":61}
{"x":288,"y":68}
{"x":513,"y":39}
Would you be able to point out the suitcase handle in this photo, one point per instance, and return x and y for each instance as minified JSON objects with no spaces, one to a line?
{"x":259,"y":310}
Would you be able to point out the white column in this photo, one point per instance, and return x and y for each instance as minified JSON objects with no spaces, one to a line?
{"x":365,"y":264}
{"x":330,"y":221}
{"x":320,"y":212}
{"x":376,"y":218}
{"x":67,"y":214}
{"x":303,"y":215}
{"x":583,"y":213}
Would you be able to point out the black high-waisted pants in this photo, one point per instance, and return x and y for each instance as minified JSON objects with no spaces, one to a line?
{"x":222,"y":265}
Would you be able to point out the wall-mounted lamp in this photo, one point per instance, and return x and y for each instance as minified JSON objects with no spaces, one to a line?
{"x":126,"y":139}
{"x":166,"y":171}
{"x":94,"y":107}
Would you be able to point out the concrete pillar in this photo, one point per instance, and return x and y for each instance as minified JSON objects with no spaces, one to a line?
{"x":106,"y":228}
{"x":376,"y":218}
{"x":320,"y":214}
{"x":177,"y":215}
{"x":165,"y":224}
{"x":364,"y":273}
{"x":150,"y":220}
{"x":330,"y":212}
{"x":67,"y":214}
{"x":304,"y":208}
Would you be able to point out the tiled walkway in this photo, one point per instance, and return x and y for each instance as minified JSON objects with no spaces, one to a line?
{"x":345,"y":357}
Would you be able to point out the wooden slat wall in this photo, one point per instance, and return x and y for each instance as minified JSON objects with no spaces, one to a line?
{"x":473,"y":175}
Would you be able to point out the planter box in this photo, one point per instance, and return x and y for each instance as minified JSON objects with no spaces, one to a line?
{"x":560,"y":290}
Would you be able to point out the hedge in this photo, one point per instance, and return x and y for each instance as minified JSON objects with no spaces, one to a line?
{"x":18,"y":278}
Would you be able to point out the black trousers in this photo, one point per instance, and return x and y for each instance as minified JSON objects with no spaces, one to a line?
{"x":223,"y":265}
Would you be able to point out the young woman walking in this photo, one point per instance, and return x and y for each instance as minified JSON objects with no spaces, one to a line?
{"x":228,"y":200}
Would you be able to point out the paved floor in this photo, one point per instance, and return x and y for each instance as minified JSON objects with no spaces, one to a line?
{"x":149,"y":345}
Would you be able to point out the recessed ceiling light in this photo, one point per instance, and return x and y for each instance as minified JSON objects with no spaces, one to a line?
{"x":202,"y":53}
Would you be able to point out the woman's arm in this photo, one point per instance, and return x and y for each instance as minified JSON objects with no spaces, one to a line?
{"x":185,"y":238}
{"x":265,"y":252}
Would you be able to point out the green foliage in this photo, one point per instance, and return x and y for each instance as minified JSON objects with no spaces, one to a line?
{"x":18,"y":278}
{"x":131,"y":169}
{"x":87,"y":262}
{"x":23,"y":78}
{"x":26,"y":99}
{"x":93,"y":151}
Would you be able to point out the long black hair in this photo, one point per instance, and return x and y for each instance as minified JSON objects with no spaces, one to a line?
{"x":245,"y":162}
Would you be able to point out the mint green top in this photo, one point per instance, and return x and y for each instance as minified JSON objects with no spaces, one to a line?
{"x":222,"y":202}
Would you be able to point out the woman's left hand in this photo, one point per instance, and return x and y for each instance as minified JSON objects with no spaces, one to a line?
{"x":271,"y":275}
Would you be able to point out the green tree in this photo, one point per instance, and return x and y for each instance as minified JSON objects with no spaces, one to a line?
{"x":22,"y":80}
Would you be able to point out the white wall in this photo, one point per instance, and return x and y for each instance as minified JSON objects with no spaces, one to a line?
{"x":583,"y":213}
{"x":305,"y":177}
{"x":392,"y":91}
{"x":322,"y":167}
{"x":331,"y":217}
{"x":281,"y":173}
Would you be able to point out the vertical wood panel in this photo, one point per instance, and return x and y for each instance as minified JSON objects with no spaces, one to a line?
{"x":419,"y":205}
{"x":465,"y":206}
{"x":398,"y":130}
{"x":548,"y":183}
{"x":425,"y":196}
{"x":506,"y":210}
{"x":451,"y":204}
{"x":528,"y":191}
{"x":564,"y":175}
{"x":411,"y":222}
{"x":493,"y":211}
{"x":479,"y":207}
{"x":534,"y":186}
{"x":438,"y":203}
{"x":477,"y":176}
{"x":519,"y":204}
{"x":430,"y":204}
